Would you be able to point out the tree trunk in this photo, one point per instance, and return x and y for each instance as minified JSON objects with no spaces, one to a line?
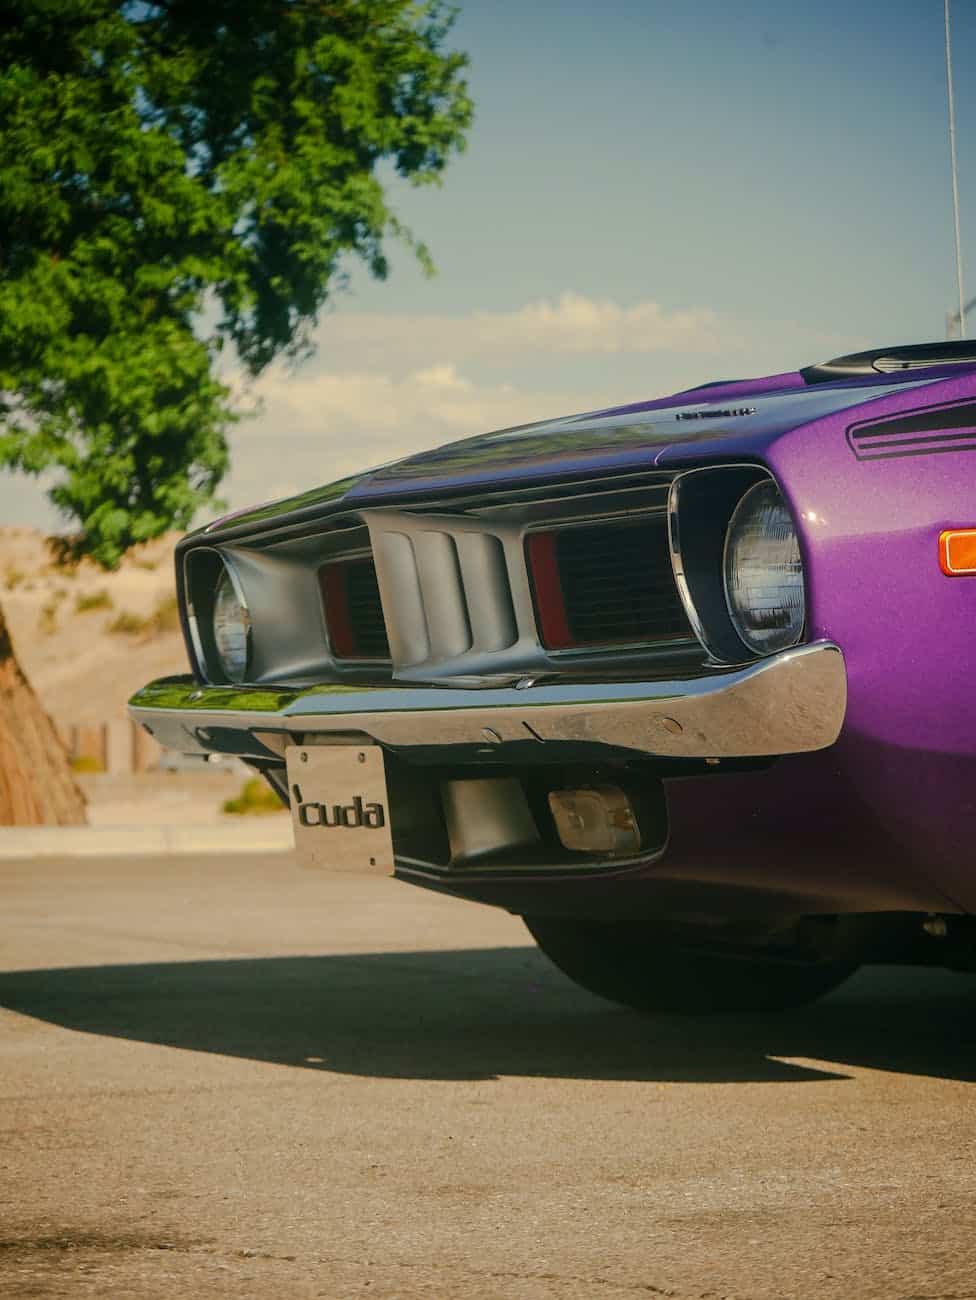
{"x":37,"y":787}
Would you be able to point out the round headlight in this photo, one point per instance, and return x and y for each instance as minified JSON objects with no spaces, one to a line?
{"x":231,"y":628}
{"x":763,"y":572}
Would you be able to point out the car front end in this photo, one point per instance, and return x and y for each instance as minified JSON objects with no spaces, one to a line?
{"x":654,"y":664}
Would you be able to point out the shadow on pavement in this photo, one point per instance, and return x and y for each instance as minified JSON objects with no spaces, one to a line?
{"x":482,"y":1013}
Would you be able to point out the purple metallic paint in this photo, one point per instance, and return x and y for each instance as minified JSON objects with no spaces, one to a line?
{"x":788,"y":381}
{"x":582,"y":446}
{"x":536,"y":451}
{"x":893,"y":804}
{"x":717,"y":392}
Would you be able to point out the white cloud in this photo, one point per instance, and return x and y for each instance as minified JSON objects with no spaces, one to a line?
{"x":314,"y":428}
{"x":443,"y":378}
{"x":577,"y":324}
{"x":371,"y":406}
{"x":568,"y":325}
{"x":382,"y":386}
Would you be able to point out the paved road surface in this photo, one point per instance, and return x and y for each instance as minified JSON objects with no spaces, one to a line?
{"x":239,"y":1079}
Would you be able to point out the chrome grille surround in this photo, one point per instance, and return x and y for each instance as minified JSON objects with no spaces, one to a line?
{"x":453,"y":581}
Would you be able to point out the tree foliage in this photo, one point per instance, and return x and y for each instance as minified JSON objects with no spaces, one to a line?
{"x":179,"y":174}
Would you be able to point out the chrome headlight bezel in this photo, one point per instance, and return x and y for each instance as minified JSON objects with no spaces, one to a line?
{"x":205,"y":569}
{"x":701,"y":503}
{"x":235,"y":670}
{"x":772,"y":617}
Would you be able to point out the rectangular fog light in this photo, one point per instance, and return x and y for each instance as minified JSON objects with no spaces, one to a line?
{"x":599,"y":819}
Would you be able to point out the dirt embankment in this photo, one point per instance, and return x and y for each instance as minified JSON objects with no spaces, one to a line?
{"x":87,"y":639}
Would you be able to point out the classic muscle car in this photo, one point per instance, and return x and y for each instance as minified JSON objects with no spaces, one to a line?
{"x":684,"y":683}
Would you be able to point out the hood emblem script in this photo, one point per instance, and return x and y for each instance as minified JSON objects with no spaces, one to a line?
{"x":716,"y":413}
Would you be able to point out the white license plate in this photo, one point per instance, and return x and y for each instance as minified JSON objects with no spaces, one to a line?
{"x":339,"y":807}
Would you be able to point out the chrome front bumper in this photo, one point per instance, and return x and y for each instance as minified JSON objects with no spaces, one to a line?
{"x":790,"y":703}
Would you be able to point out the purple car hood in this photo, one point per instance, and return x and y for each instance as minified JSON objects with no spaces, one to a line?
{"x":736,"y":419}
{"x":740,"y":418}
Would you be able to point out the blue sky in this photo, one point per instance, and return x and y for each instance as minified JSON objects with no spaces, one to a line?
{"x":653,"y":194}
{"x":766,"y":160}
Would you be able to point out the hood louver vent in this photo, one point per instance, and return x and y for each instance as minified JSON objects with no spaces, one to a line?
{"x":917,"y":433}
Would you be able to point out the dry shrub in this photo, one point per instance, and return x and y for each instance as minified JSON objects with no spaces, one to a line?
{"x":256,"y":798}
{"x":166,"y":614}
{"x":87,"y":600}
{"x":126,"y":623}
{"x":47,"y":620}
{"x":165,"y":617}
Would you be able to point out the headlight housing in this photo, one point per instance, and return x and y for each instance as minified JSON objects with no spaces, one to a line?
{"x":231,"y":626}
{"x":763,"y":572}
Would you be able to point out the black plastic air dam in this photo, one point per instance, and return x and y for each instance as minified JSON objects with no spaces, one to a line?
{"x":418,"y":797}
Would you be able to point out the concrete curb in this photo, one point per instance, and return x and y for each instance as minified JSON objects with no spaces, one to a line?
{"x":144,"y":841}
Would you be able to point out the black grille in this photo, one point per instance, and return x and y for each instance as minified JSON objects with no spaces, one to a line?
{"x":617,"y":583}
{"x":365,"y":610}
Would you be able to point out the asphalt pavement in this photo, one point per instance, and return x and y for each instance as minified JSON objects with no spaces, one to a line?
{"x":237,"y":1078}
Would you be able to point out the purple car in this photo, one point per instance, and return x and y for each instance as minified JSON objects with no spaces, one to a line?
{"x":683,"y":683}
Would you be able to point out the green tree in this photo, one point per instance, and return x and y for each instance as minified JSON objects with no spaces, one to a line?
{"x":175,"y":176}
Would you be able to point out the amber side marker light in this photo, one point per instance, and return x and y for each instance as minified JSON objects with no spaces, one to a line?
{"x":957,"y":552}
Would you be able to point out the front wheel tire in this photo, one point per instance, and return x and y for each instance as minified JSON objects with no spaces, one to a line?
{"x":641,"y":966}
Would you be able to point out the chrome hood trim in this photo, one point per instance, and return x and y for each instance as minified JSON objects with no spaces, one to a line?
{"x":793,"y":702}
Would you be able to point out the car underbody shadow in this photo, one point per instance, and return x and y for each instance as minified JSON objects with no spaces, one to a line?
{"x":482,"y":1013}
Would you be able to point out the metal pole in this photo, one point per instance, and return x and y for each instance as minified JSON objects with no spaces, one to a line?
{"x":955,"y":182}
{"x":952,"y":317}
